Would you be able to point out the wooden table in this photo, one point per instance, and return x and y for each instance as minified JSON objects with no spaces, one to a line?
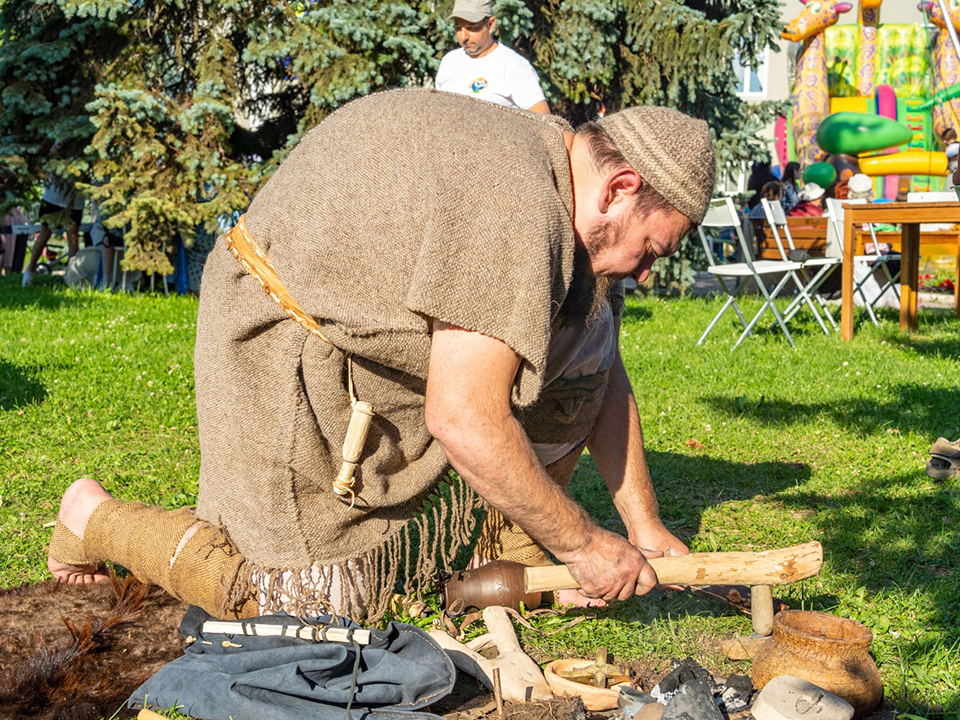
{"x":909,"y":215}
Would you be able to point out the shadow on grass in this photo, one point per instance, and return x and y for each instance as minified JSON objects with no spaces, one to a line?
{"x":729,"y":327}
{"x":687,"y":485}
{"x":633,"y":311}
{"x":941,"y":347}
{"x":870,"y":531}
{"x":18,"y":386}
{"x":46,"y":294}
{"x":932,"y":410}
{"x":884,"y":543}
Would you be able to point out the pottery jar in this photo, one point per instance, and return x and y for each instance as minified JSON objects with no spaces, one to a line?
{"x":829,"y":651}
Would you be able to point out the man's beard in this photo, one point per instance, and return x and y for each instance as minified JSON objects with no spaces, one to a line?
{"x":588,"y":293}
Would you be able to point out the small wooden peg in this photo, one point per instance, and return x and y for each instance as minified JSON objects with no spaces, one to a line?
{"x":761,"y":609}
{"x":497,"y":693}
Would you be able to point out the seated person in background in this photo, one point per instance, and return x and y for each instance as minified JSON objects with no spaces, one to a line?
{"x":791,"y":192}
{"x":953,"y":149}
{"x":760,"y":175}
{"x":861,"y":188}
{"x":772,"y":191}
{"x":948,"y":141}
{"x":811,"y":202}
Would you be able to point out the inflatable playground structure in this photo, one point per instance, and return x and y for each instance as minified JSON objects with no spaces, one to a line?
{"x":873,"y":98}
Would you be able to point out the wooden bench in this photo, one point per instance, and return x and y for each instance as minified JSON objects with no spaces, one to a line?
{"x":810,"y":234}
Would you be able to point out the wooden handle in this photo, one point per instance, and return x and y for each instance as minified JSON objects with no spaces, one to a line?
{"x":357,"y":430}
{"x":772,"y":567}
{"x":147,"y":714}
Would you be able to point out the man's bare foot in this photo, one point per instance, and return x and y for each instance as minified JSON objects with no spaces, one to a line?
{"x":476,"y":561}
{"x":76,"y":507}
{"x":573,"y":598}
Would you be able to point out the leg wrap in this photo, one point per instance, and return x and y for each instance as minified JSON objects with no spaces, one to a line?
{"x":140,"y":537}
{"x":208,"y":571}
{"x":211,"y":573}
{"x":67,"y":548}
{"x":501,"y":539}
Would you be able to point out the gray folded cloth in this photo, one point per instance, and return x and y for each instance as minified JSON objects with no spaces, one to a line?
{"x":287,"y":678}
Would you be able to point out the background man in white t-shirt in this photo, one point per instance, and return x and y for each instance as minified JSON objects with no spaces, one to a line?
{"x":485,"y":69}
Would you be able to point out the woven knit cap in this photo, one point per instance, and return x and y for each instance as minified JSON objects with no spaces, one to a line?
{"x":671,"y":151}
{"x":472,"y":10}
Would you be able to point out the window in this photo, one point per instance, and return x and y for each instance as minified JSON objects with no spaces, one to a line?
{"x":751,"y":82}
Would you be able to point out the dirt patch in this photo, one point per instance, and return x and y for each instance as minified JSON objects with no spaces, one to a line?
{"x":646,"y":672}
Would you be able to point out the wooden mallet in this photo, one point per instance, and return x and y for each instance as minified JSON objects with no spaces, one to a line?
{"x":759,"y":570}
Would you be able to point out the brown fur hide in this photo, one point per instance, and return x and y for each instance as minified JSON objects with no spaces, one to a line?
{"x":70,"y":652}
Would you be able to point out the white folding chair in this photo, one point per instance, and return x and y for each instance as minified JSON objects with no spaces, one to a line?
{"x":875,"y":260}
{"x":723,"y":214}
{"x":810,"y":277}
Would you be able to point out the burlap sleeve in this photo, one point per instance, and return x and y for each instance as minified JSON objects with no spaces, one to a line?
{"x":498,"y":266}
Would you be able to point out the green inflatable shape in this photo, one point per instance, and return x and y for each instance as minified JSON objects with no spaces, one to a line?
{"x":850,"y":133}
{"x":821,"y":173}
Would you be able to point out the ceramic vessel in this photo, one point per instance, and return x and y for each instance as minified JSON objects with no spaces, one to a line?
{"x":594,"y":698}
{"x":497,"y":583}
{"x":829,"y":651}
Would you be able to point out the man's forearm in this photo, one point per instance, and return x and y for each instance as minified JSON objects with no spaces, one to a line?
{"x":496,"y":460}
{"x":467,"y":410}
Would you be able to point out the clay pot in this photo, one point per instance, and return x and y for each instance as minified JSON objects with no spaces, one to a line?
{"x":829,"y":651}
{"x":497,"y":583}
{"x":594,"y":698}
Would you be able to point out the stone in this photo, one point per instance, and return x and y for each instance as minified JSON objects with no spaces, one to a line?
{"x":632,"y":702}
{"x":693,"y":701}
{"x":650,"y":711}
{"x":788,"y":697}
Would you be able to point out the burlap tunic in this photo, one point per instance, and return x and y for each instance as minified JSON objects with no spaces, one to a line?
{"x":398,"y":208}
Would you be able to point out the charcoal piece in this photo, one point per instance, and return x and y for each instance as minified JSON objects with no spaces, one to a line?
{"x":683,"y":672}
{"x":694,"y":701}
{"x":741,"y":685}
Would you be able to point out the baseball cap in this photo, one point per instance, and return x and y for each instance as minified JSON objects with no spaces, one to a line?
{"x":811,"y":191}
{"x":472,"y":10}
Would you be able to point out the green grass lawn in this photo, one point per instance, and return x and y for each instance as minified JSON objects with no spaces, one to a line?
{"x":760,"y":448}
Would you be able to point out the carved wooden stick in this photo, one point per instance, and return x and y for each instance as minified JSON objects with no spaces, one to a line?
{"x":357,"y":430}
{"x":304,"y":632}
{"x":772,"y":567}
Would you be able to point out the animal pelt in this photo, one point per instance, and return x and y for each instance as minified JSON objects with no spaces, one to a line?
{"x":77,"y":652}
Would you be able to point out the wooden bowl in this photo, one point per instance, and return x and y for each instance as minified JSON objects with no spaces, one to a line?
{"x":594,"y":699}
